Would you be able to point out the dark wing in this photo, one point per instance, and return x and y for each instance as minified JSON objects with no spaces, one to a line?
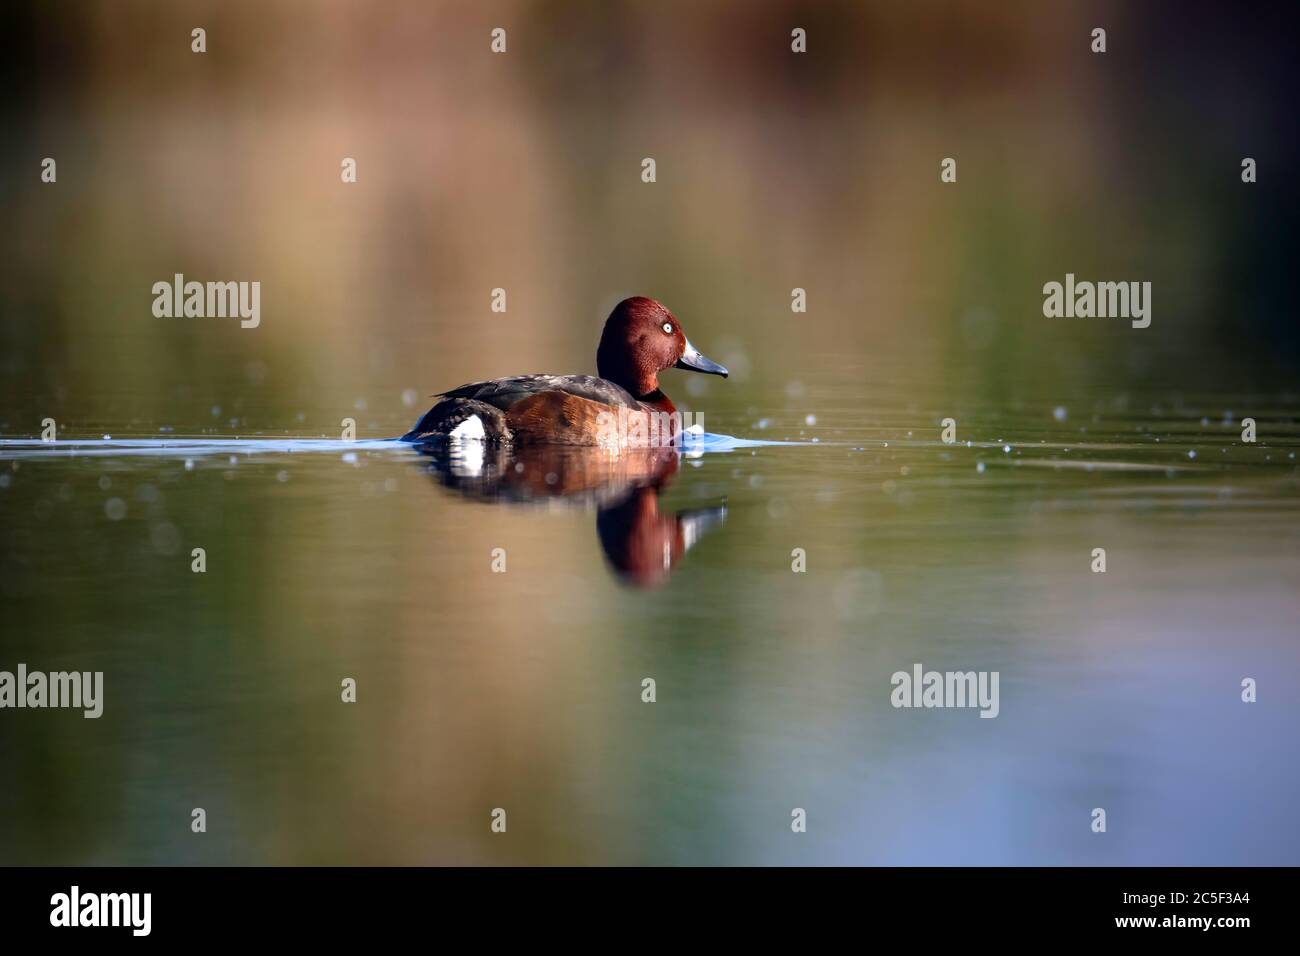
{"x":504,"y":392}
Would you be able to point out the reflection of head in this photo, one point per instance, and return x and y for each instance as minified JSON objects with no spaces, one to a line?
{"x":642,"y":544}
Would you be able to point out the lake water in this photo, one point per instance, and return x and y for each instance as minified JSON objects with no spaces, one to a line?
{"x":521,"y":688}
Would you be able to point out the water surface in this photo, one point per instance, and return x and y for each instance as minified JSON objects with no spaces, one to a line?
{"x":480,"y":689}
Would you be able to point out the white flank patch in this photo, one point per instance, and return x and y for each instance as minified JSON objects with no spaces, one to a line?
{"x":471,"y":429}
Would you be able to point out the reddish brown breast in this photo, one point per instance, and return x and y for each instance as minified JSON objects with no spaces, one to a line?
{"x":559,"y":418}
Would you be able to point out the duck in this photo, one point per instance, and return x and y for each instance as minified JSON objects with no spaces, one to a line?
{"x":619,"y":406}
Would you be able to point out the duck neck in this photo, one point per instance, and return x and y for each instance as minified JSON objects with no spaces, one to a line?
{"x":638,"y":378}
{"x":658,"y":401}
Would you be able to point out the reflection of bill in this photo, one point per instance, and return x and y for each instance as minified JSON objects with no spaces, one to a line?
{"x":641,"y":543}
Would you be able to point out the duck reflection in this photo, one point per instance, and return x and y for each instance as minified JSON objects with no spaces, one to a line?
{"x":642,"y":543}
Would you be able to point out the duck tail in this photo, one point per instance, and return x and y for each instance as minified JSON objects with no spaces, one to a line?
{"x":461,"y":419}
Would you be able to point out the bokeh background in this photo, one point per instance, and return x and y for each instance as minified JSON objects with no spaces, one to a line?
{"x":522,"y":171}
{"x":774,"y":171}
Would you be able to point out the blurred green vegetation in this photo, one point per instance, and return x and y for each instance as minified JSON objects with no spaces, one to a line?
{"x":521,"y":171}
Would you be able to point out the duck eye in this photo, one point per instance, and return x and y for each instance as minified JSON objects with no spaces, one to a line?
{"x":668,"y":327}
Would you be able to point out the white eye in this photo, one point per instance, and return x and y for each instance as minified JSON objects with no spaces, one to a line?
{"x":668,"y":327}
